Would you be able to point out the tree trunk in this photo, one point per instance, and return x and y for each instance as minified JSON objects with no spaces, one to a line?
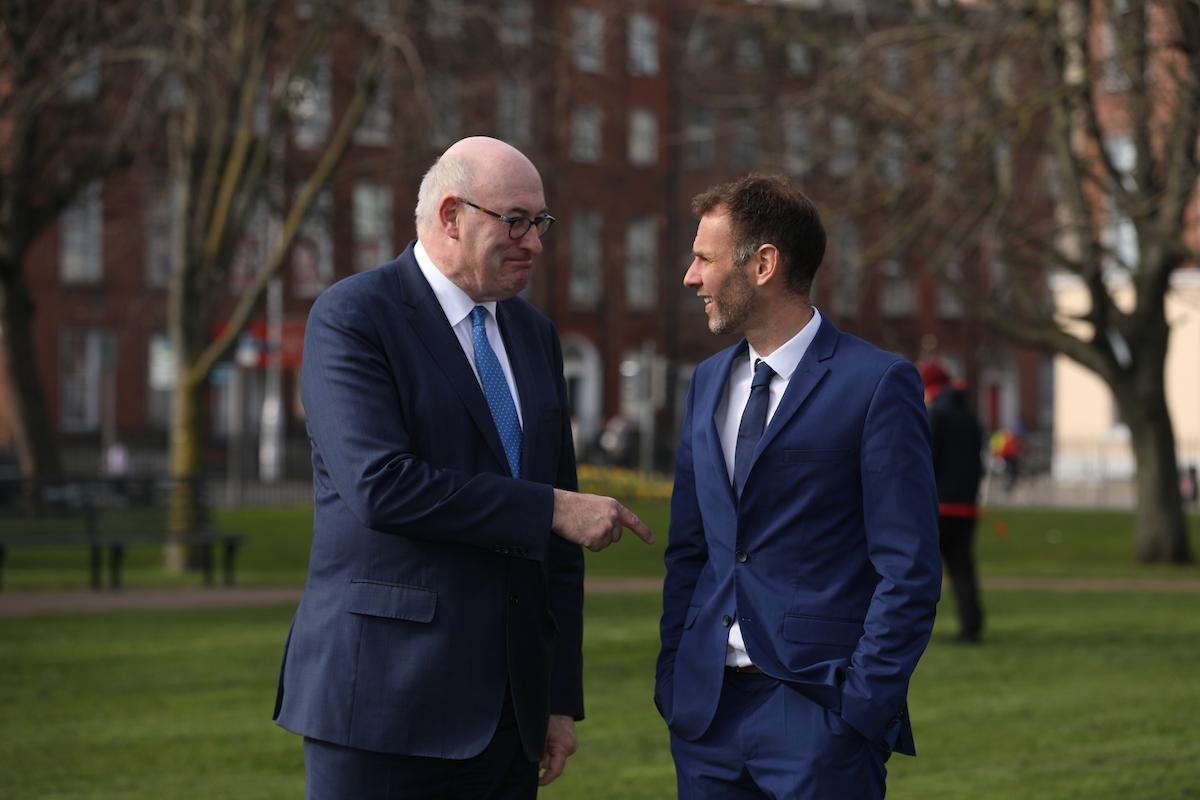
{"x":1162,"y":534}
{"x":186,"y":469}
{"x":34,"y":436}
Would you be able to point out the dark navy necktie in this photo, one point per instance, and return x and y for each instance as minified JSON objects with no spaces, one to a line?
{"x":754,"y":419}
{"x":495,"y":389}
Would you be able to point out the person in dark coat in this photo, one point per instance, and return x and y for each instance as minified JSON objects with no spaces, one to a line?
{"x":957,"y":446}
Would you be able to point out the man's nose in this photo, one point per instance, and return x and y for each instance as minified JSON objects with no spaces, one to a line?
{"x":691,"y":278}
{"x":532,"y":240}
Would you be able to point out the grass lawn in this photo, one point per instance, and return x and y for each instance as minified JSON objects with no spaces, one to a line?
{"x":1072,"y":696}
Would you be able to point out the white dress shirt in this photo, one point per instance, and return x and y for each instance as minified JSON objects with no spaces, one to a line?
{"x":457,"y":306}
{"x":729,"y":417}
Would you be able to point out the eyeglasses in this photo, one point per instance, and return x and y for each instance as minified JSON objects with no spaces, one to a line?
{"x":517,"y":226}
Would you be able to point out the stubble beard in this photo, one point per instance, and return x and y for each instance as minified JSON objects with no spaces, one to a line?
{"x":730,"y":313}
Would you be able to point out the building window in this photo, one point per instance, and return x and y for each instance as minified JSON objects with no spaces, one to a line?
{"x":164,"y":231}
{"x":311,"y":113}
{"x":583,"y":288}
{"x":87,"y":362}
{"x":797,"y":142}
{"x":898,"y":296}
{"x":642,"y":43}
{"x":747,"y":52}
{"x":893,"y":159}
{"x":844,"y":132}
{"x":374,"y":13}
{"x":799,"y":58}
{"x":513,"y":99}
{"x":588,"y":40}
{"x":250,"y":256}
{"x":699,"y":137}
{"x":643,"y":137}
{"x":949,"y":306}
{"x":80,"y":236}
{"x":84,"y":86}
{"x":516,"y":22}
{"x":847,"y":272}
{"x":375,"y":127}
{"x":444,"y":18}
{"x":894,"y":75}
{"x":312,"y":252}
{"x":641,"y":264}
{"x":160,"y":380}
{"x":698,"y":49}
{"x":1120,"y":235}
{"x":745,"y":143}
{"x":445,"y":124}
{"x":586,"y":132}
{"x":372,"y":225}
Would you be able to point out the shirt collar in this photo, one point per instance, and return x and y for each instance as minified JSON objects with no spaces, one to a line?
{"x":456,"y":303}
{"x":787,"y":356}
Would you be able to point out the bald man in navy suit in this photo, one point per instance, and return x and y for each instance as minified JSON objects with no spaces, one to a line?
{"x":436,"y":649}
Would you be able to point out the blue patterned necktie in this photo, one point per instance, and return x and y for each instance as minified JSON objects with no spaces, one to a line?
{"x":495,"y":389}
{"x":754,"y":419}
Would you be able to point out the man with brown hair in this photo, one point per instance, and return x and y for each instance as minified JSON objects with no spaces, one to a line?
{"x":802,"y":567}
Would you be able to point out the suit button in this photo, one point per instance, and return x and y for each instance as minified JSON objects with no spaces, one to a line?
{"x":726,"y":620}
{"x":741,"y":556}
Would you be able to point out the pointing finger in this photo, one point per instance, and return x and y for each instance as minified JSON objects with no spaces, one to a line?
{"x":631,"y":521}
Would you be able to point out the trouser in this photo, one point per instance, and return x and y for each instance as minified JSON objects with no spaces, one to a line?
{"x":500,"y":772}
{"x":956,"y":538}
{"x":767,"y":740}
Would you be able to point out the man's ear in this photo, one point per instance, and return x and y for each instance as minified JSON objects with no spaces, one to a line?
{"x":767,"y":263}
{"x":448,"y":211}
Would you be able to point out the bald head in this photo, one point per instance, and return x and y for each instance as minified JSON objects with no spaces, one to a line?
{"x":464,"y":208}
{"x":476,"y":165}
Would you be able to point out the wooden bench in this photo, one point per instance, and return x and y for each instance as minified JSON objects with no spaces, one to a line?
{"x":91,"y":515}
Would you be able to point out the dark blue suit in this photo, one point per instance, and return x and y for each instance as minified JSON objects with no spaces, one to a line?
{"x":829,"y":560}
{"x":435,"y":582}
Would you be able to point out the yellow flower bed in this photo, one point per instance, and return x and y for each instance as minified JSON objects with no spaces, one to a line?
{"x":624,"y":484}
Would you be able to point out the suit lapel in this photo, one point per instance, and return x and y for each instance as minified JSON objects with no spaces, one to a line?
{"x":809,"y":373}
{"x":710,"y":404}
{"x":429,"y":322}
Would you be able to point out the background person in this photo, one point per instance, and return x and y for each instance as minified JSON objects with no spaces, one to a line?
{"x":957,"y":438}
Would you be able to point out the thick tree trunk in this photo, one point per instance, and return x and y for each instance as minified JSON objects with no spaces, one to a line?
{"x":186,"y":469}
{"x":1162,"y":533}
{"x":36,"y":443}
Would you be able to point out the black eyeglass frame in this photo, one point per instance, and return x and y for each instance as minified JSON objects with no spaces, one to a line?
{"x":542,"y":222}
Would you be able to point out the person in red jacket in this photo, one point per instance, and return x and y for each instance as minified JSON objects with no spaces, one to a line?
{"x":957,"y":445}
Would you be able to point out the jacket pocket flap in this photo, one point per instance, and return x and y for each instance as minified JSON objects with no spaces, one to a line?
{"x":816,"y":630}
{"x":391,"y":600}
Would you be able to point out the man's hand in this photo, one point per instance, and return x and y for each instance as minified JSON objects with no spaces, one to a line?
{"x":594,"y":521}
{"x":561,"y":744}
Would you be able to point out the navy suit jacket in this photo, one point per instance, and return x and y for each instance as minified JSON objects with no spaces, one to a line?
{"x":434,"y":580}
{"x":829,"y":561}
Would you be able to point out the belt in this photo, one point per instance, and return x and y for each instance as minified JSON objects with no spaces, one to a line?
{"x":747,"y":670}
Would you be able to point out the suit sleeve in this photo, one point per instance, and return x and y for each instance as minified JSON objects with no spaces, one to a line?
{"x":900,"y":516}
{"x":685,"y":557}
{"x":564,"y":566}
{"x":360,"y":431}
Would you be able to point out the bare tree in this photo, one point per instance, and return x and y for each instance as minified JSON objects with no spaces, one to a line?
{"x":60,"y":130}
{"x":239,"y":74}
{"x":1002,"y":143}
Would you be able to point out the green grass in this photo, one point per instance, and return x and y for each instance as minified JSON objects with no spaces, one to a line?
{"x":1072,"y":696}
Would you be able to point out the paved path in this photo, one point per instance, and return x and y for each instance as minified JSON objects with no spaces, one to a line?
{"x":21,"y":604}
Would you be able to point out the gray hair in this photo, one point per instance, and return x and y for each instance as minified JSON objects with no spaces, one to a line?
{"x":453,"y":175}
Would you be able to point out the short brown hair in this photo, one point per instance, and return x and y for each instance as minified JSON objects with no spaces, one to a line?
{"x":768,"y":209}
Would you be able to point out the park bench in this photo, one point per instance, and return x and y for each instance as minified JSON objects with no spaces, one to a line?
{"x":106,"y":518}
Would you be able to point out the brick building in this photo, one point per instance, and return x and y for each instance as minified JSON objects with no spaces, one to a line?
{"x":628,"y":109}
